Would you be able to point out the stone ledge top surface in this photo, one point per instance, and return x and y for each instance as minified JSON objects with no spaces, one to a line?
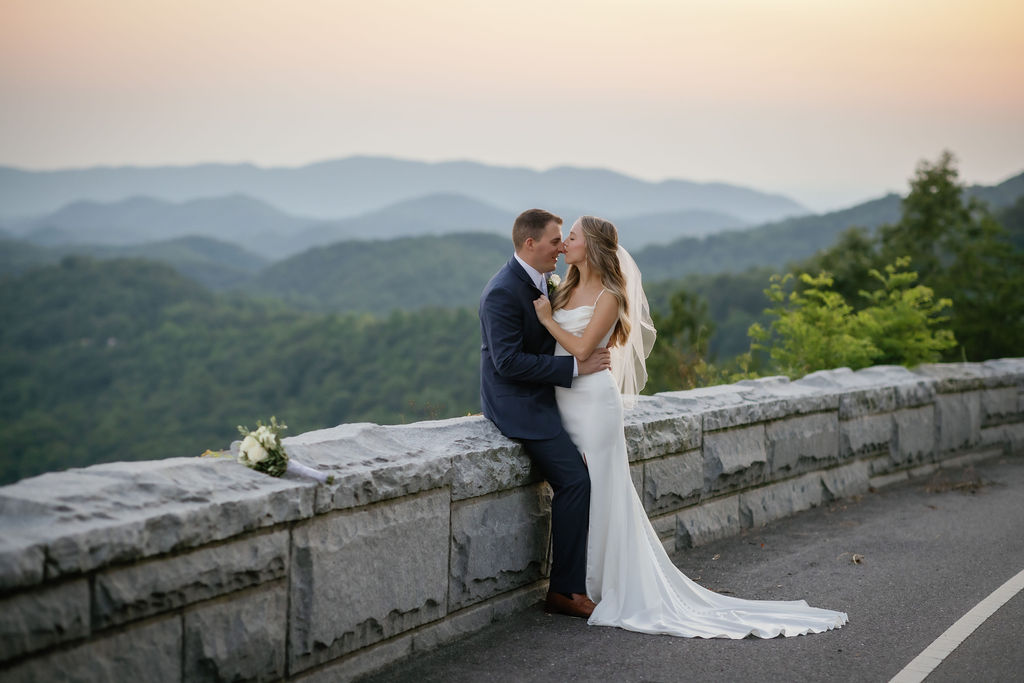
{"x":952,"y":377}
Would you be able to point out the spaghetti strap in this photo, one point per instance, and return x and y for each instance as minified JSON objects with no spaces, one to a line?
{"x":598,"y":297}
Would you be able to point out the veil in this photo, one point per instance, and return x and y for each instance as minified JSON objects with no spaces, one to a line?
{"x":629,"y":360}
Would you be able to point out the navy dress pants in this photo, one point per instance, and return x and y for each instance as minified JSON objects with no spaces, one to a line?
{"x":564,"y":469}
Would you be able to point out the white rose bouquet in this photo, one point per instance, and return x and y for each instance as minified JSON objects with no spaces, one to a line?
{"x":262,"y":451}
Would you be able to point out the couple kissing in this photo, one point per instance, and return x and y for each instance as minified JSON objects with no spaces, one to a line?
{"x":558,"y":368}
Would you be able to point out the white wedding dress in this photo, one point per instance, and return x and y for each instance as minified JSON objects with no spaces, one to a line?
{"x":629,"y":574}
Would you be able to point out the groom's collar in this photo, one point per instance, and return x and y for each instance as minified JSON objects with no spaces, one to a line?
{"x":535,"y":275}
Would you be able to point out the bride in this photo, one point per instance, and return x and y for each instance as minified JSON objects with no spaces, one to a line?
{"x":629,"y":574}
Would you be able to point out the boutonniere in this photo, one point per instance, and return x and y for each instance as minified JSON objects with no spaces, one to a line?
{"x":553,"y":283}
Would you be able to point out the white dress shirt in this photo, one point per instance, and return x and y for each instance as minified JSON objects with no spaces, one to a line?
{"x":540,"y":281}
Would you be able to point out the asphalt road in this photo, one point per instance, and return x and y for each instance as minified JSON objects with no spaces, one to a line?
{"x":932,"y":549}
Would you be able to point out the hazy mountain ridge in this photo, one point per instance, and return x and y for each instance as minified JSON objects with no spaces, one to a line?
{"x":136,"y":220}
{"x":381,"y":275}
{"x":346,"y":187}
{"x":275,"y":234}
{"x":435,"y":214}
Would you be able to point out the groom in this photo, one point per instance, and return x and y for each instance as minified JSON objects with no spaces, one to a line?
{"x":518,"y":374}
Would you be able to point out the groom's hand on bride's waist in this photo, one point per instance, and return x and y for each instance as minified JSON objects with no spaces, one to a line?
{"x":600,"y":359}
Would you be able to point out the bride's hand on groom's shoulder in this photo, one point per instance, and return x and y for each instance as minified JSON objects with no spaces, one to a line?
{"x":543,"y":307}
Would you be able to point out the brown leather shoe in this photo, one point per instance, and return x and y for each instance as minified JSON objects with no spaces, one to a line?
{"x":579,"y":606}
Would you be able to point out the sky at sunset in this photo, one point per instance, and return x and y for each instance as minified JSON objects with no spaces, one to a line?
{"x":829,"y":102}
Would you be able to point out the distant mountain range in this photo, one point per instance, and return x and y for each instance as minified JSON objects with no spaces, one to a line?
{"x":138,"y":220}
{"x":259,"y":227}
{"x":433,"y":250}
{"x":352,"y":186}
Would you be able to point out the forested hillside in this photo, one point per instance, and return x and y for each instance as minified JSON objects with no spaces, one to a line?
{"x":794,"y":239}
{"x":212,"y":263}
{"x":128,"y":360}
{"x":376,"y":277}
{"x":774,"y":244}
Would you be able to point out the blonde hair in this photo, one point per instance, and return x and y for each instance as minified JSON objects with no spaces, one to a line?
{"x":601,"y":243}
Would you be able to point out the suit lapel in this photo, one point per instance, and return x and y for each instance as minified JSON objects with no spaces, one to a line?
{"x":521,"y":273}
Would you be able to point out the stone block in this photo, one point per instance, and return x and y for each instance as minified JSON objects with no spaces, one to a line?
{"x":657,"y":426}
{"x":782,"y":398}
{"x":424,"y":639}
{"x":373,"y":463}
{"x":883,"y":480}
{"x":672,"y":482}
{"x":707,"y":522}
{"x":871,"y":401}
{"x":151,"y":652}
{"x":914,"y":440}
{"x":147,"y":588}
{"x":359,"y":664}
{"x":775,"y":501}
{"x":636,"y":474}
{"x":21,"y":560}
{"x":1010,"y":370}
{"x":734,"y":458}
{"x":1007,"y":437}
{"x":361,"y":576}
{"x":920,"y":471}
{"x":240,"y":637}
{"x":665,"y":527}
{"x":802,"y":442}
{"x":720,"y":406}
{"x":499,"y":469}
{"x":1014,"y":438}
{"x":760,"y":400}
{"x":866,"y":435}
{"x":958,"y":417}
{"x":955,"y":377}
{"x":1000,"y":405}
{"x":35,"y":619}
{"x":126,"y":511}
{"x":874,"y":390}
{"x":498,"y":542}
{"x":846,"y":480}
{"x":910,"y":390}
{"x":472,"y":619}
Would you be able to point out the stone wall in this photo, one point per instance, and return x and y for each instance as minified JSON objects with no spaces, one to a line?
{"x":193,"y":569}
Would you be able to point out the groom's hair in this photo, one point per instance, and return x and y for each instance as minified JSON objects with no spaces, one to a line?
{"x":531,"y":223}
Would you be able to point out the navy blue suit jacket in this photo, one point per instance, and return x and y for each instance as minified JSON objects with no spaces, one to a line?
{"x":517,"y":371}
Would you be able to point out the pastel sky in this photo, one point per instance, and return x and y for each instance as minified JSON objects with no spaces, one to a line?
{"x":829,"y":101}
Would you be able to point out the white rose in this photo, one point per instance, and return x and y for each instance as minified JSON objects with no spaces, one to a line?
{"x":554,"y":280}
{"x":265,"y":436}
{"x":252,"y":451}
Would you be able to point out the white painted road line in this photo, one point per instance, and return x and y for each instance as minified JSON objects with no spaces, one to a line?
{"x":927,"y":661}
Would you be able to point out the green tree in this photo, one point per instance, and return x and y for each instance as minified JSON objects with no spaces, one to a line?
{"x":814,"y":328}
{"x":903,"y":319}
{"x":1012,"y":218}
{"x":681,"y":349}
{"x":958,"y":248}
